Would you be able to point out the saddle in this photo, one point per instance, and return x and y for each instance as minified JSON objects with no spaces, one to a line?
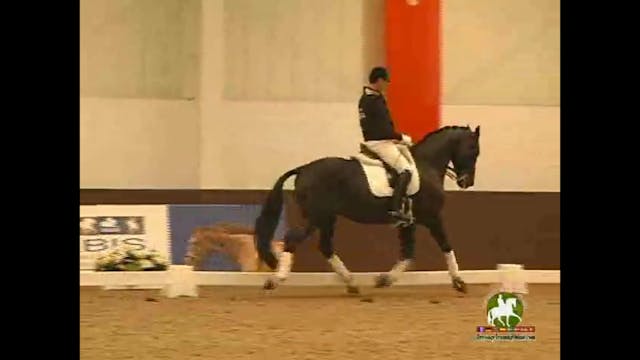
{"x":381,"y":177}
{"x":392,"y":174}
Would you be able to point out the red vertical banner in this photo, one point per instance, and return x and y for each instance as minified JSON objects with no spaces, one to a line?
{"x":412,"y":42}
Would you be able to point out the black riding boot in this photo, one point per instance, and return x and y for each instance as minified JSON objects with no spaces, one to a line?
{"x":399,"y":192}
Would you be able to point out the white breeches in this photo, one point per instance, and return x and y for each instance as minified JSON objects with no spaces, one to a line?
{"x":389,"y":152}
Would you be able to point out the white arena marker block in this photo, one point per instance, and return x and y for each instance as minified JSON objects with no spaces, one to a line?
{"x":181,"y":281}
{"x":513,"y":278}
{"x":131,"y":280}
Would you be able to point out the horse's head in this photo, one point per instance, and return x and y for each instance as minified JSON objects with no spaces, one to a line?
{"x":451,"y":144}
{"x":465,"y":155}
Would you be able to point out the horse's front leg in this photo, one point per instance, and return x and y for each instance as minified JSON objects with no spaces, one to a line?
{"x":437,"y":231}
{"x":407,"y":237}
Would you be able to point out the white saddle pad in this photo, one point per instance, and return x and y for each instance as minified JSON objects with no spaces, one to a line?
{"x":377,"y":177}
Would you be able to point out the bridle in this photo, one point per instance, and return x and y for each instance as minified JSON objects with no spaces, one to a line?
{"x":451,"y":173}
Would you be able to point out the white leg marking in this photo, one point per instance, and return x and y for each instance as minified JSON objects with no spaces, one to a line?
{"x":284,"y":265}
{"x":340,"y":269}
{"x":399,"y":268}
{"x":452,"y":264}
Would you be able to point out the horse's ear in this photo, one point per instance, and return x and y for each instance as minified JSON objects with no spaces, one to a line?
{"x":477,"y":131}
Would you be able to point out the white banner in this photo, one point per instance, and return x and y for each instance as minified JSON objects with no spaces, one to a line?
{"x":105,"y":227}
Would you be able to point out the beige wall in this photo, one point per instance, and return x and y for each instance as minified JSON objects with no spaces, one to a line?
{"x":501,"y":52}
{"x":139,"y":143}
{"x":249,"y":143}
{"x":292,"y":50}
{"x":501,"y":70}
{"x":520,"y":146}
{"x":139,"y":75}
{"x":139,"y":48}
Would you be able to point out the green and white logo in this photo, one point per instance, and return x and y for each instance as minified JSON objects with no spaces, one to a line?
{"x":504,"y":310}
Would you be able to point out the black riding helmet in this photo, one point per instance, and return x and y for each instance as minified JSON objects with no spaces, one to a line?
{"x":378,"y":72}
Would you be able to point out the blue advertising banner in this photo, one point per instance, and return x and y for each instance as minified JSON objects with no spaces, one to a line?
{"x":183,"y":219}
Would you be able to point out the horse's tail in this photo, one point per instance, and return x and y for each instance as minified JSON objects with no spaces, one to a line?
{"x":267,"y":222}
{"x":489,"y":317}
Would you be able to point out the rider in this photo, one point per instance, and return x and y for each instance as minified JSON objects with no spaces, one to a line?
{"x":381,"y":137}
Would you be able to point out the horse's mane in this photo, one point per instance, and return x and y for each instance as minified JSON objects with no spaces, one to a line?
{"x":449,"y":127}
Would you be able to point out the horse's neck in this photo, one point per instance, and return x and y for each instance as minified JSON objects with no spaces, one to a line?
{"x":433,"y":156}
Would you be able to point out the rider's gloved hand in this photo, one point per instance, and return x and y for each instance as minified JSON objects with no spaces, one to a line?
{"x":406,"y":140}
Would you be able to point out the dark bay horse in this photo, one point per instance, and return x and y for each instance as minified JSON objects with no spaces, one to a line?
{"x":329,"y":187}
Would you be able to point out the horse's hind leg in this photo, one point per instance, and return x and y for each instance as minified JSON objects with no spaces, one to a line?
{"x":292,"y":239}
{"x":407,"y":253}
{"x":326,"y":248}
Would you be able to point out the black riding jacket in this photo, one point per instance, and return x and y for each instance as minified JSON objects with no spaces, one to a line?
{"x":375,"y":119}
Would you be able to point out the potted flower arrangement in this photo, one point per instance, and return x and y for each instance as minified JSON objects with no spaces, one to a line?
{"x":127,"y":259}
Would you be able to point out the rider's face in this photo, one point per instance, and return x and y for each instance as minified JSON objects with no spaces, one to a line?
{"x":382,"y":85}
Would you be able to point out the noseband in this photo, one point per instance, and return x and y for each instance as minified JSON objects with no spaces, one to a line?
{"x":453,"y":175}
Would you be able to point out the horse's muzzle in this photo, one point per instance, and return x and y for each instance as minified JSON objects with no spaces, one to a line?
{"x":464,"y":181}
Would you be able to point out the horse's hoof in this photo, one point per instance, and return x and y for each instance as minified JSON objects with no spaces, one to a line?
{"x":383,"y":280}
{"x":270,"y":284}
{"x":353,"y":290}
{"x":459,"y":285}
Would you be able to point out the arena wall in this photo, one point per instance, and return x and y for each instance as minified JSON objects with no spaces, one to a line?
{"x":139,"y":83}
{"x":485,"y":228}
{"x":139,"y":143}
{"x":509,"y":87}
{"x":222,"y":139}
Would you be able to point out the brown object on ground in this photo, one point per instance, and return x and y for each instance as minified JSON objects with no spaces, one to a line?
{"x":308,"y":323}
